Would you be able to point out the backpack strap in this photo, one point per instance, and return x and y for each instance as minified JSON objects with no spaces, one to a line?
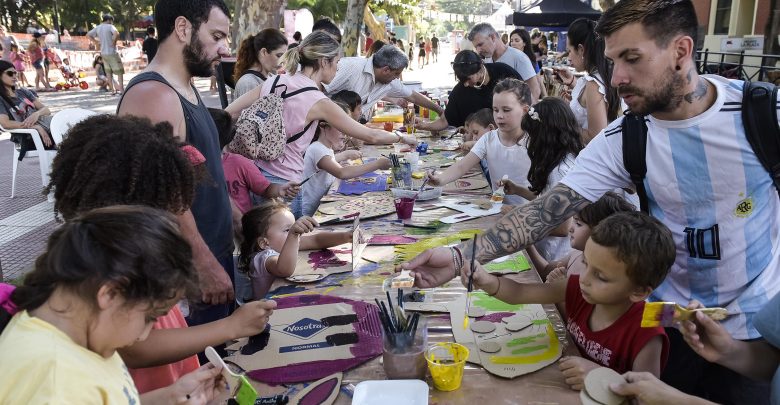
{"x":286,"y":95}
{"x":634,"y":146}
{"x":759,"y":116}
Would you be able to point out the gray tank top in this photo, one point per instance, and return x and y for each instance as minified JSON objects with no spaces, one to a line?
{"x":211,"y":207}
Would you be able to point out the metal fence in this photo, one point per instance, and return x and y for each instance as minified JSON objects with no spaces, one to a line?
{"x":739,"y":65}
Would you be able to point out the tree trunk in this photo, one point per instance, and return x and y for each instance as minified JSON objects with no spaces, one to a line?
{"x":375,"y":27}
{"x":353,"y":26}
{"x":255,"y":15}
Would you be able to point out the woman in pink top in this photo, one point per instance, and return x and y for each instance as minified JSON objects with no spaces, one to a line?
{"x":317,"y":56}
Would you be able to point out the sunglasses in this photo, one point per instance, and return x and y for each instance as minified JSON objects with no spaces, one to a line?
{"x":10,"y":73}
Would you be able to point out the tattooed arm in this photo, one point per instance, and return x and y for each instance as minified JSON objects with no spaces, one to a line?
{"x":527,"y":224}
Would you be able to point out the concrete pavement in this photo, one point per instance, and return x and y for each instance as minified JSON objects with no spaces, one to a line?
{"x":27,"y":220}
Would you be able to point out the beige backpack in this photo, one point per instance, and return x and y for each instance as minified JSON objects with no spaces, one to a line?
{"x":260,"y":131}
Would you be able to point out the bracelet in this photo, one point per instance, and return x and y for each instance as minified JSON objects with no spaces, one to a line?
{"x":497,"y":289}
{"x":399,"y":137}
{"x":457,"y":259}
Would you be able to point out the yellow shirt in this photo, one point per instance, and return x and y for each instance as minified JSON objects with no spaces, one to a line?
{"x":39,"y":364}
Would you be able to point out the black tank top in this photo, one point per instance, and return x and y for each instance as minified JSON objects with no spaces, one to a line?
{"x":211,"y":207}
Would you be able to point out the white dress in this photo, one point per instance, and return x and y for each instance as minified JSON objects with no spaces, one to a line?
{"x":580,"y":112}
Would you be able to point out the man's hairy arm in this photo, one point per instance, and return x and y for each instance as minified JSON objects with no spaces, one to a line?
{"x":527,"y":224}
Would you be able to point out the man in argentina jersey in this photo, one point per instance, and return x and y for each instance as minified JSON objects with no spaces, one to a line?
{"x":703,"y":181}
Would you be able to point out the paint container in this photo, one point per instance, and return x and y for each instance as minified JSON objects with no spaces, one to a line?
{"x":403,"y":357}
{"x":446,"y":362}
{"x":404,"y":207}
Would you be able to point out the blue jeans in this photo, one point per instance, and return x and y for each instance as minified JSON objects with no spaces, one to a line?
{"x":296,"y":205}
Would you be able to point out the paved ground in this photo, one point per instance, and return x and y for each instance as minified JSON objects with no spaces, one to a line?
{"x":27,"y":220}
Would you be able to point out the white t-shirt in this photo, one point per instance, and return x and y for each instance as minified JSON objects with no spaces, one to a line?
{"x":510,"y":160}
{"x":555,"y":247}
{"x":519,"y":61}
{"x":105,"y":34}
{"x":318,"y":185}
{"x":706,"y":184}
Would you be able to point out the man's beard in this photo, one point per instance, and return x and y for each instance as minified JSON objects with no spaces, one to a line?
{"x":197,"y":64}
{"x":663,"y":99}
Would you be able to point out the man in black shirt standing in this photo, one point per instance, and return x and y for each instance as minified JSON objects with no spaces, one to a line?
{"x":435,"y":48}
{"x":150,"y":44}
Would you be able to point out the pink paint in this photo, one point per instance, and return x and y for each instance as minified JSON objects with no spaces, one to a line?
{"x":323,"y":259}
{"x":391,"y":240}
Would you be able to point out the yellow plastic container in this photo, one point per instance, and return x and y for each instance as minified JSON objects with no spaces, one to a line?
{"x":446,"y":362}
{"x":388,"y":118}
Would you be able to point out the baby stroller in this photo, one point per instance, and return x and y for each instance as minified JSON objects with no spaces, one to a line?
{"x":69,"y":77}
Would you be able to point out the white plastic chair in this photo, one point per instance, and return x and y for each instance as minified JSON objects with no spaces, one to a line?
{"x":45,"y":157}
{"x":62,"y":121}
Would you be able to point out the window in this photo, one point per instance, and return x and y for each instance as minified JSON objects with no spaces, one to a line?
{"x":722,"y":16}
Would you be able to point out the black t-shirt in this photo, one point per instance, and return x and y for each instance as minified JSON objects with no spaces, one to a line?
{"x":434,"y":42}
{"x":466,"y":100}
{"x":150,"y":47}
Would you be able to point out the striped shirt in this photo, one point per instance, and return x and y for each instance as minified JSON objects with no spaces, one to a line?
{"x":706,"y":184}
{"x":357,"y":74}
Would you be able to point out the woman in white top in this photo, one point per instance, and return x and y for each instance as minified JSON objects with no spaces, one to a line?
{"x":594,"y":101}
{"x":259,"y":57}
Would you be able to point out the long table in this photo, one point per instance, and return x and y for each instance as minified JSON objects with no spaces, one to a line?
{"x":545,"y":386}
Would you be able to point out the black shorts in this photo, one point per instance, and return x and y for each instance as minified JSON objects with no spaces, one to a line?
{"x":422,"y":52}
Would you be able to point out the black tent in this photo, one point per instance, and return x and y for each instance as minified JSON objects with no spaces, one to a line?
{"x":553,"y":13}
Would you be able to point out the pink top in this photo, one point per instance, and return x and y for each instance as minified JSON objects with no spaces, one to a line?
{"x":290,"y":165}
{"x":241,"y":176}
{"x":152,"y":378}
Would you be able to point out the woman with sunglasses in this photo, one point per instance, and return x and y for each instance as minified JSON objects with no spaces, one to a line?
{"x":474,"y":90}
{"x":22,"y":107}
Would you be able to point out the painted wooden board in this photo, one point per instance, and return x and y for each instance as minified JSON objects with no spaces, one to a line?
{"x":522,"y":352}
{"x":319,"y":264}
{"x":408,"y":252}
{"x":472,"y":183}
{"x":367,"y":206}
{"x":310,"y":337}
{"x":511,"y":264}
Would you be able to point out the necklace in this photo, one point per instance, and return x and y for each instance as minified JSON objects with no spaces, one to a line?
{"x":484,"y":79}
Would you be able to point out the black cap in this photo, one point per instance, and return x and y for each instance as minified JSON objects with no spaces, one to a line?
{"x":108,"y":17}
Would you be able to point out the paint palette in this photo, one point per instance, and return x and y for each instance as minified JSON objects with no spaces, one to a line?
{"x":524,"y":335}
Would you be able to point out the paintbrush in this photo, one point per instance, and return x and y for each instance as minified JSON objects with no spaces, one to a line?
{"x":308,"y":178}
{"x":666,"y":314}
{"x":240,"y":389}
{"x":470,"y":284}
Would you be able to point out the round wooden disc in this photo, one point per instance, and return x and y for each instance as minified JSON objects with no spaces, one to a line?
{"x":476,"y":312}
{"x":306,"y":278}
{"x":483,"y":327}
{"x":597,"y":384}
{"x":517,"y":326}
{"x":490,"y":347}
{"x":587,"y":400}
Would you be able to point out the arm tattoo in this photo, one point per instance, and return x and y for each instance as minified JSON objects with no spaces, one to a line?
{"x":528,"y":223}
{"x":698,"y":93}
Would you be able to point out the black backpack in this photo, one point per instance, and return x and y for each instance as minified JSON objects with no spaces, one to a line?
{"x":759,"y":106}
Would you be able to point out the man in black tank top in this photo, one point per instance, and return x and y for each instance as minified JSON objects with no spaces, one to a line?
{"x":192,"y":36}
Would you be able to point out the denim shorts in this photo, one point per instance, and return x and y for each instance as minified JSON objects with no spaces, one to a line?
{"x":296,"y":205}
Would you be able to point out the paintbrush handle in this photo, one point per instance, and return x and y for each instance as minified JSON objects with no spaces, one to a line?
{"x":685,"y":314}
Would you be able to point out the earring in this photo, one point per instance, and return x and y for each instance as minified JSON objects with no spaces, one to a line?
{"x":677,"y":67}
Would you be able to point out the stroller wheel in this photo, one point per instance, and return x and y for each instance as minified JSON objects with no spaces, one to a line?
{"x":83,"y":85}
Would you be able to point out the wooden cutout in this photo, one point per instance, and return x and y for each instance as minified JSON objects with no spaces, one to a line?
{"x":301,"y":397}
{"x":587,"y":400}
{"x":358,"y":242}
{"x":483,"y":326}
{"x":476,"y":312}
{"x":523,"y":352}
{"x":597,"y":385}
{"x":490,"y":347}
{"x":466,"y":184}
{"x":367,"y":206}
